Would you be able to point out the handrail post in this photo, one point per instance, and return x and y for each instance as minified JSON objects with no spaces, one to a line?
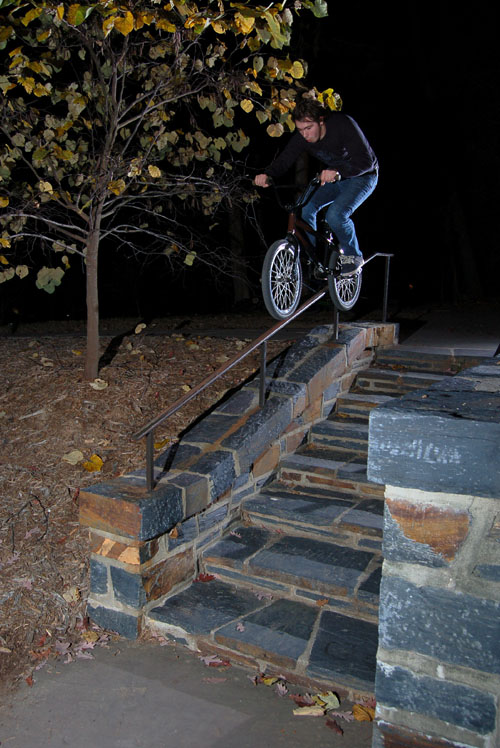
{"x":150,"y":460}
{"x":263,"y":364}
{"x":386,"y":288}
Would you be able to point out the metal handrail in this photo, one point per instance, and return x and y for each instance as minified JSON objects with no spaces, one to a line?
{"x":149,"y":429}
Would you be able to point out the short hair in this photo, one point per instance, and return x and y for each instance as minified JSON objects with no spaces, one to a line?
{"x":308,"y":108}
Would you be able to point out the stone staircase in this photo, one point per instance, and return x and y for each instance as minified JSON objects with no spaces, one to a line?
{"x":293,"y":587}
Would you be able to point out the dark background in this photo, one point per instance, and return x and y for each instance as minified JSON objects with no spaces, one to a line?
{"x":422,"y":82}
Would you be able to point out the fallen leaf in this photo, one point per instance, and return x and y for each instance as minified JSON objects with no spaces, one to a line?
{"x":98,"y":384}
{"x":162,"y":442}
{"x":268,"y":680}
{"x":281,"y":688}
{"x":302,"y":699}
{"x":334,"y":726}
{"x":29,"y":680}
{"x":140,"y":327}
{"x":214,"y":680}
{"x":205,"y":578}
{"x":240,"y":626}
{"x":309,"y":711}
{"x":321,"y":602}
{"x":214,"y":661}
{"x":186,"y":388}
{"x":76,"y":353}
{"x":347,"y":716}
{"x":236,"y":534}
{"x":328,"y":700}
{"x":73,"y":457}
{"x":90,"y":636}
{"x":72,"y":595}
{"x":94,"y":464}
{"x":363,"y":713}
{"x":5,"y":650}
{"x":264,"y":595}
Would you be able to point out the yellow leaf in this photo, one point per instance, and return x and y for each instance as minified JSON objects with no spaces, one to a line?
{"x":269,"y":680}
{"x":45,"y":187}
{"x":165,"y":25}
{"x":275,"y":130}
{"x":117,"y":186}
{"x":4,"y":260}
{"x":309,"y":711}
{"x":154,"y":171}
{"x":31,"y":15}
{"x":108,"y":24}
{"x":76,"y":353}
{"x":218,"y":27}
{"x":327,"y":700}
{"x":363,"y":713}
{"x":22,"y":271}
{"x":98,"y":384}
{"x":244,"y":25}
{"x":4,"y":201}
{"x":72,"y":595}
{"x":297,"y":70}
{"x":60,"y":12}
{"x":4,"y":242}
{"x":73,"y":457}
{"x":90,"y":636}
{"x":246,"y":105}
{"x":125,"y":24}
{"x":94,"y":464}
{"x":186,"y":387}
{"x":190,"y":257}
{"x":141,"y":326}
{"x":162,"y":443}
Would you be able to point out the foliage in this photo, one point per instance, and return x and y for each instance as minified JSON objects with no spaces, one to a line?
{"x":118,"y":118}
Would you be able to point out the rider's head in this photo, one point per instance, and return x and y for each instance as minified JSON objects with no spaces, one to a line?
{"x":309,"y":118}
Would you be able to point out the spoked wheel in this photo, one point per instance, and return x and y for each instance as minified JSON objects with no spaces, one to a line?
{"x":344,"y":289}
{"x":281,"y":280}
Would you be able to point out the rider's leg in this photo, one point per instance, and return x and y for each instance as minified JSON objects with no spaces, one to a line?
{"x":350,"y":194}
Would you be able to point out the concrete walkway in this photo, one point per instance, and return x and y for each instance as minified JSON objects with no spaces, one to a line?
{"x":147,"y":696}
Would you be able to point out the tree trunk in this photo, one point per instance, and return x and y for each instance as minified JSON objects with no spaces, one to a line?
{"x":92,"y":354}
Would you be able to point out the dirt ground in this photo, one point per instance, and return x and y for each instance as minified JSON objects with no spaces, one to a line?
{"x":58,"y":434}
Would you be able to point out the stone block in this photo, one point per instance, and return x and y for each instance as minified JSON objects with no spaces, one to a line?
{"x":177,"y":457}
{"x":261,"y":428}
{"x":121,"y":509}
{"x":128,"y":587}
{"x":456,"y":703}
{"x":212,"y":517}
{"x":186,"y":532}
{"x":133,"y":553}
{"x":219,"y":468}
{"x":438,"y":440}
{"x":211,"y":429}
{"x":450,"y":626}
{"x":386,"y":735}
{"x":162,"y":578}
{"x":344,"y":647}
{"x":125,"y":624}
{"x":196,"y":491}
{"x":491,"y":572}
{"x":279,"y":632}
{"x":267,"y":461}
{"x":423,"y":533}
{"x":235,"y":549}
{"x":204,"y":607}
{"x":239,"y":403}
{"x":292,"y":441}
{"x":98,"y":577}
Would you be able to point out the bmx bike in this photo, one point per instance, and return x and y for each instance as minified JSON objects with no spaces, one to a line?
{"x":282,"y":277}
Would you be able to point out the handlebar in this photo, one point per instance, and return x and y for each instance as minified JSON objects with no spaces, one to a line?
{"x":304,"y":196}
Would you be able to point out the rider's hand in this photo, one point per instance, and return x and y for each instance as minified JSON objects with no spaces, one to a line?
{"x":329,"y":175}
{"x":261,"y":180}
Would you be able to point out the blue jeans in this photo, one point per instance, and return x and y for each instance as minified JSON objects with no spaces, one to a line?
{"x":342,"y":198}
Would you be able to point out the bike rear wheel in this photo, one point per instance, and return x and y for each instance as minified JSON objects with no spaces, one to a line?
{"x":344,"y":289}
{"x":281,"y":279}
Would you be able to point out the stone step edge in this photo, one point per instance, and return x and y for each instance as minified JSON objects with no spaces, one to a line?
{"x":353,"y":607}
{"x":206,"y":646}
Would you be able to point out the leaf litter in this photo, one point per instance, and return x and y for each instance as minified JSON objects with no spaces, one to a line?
{"x":60,"y":435}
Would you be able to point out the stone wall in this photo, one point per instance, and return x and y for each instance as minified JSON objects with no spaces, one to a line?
{"x":146,"y":546}
{"x":438,"y":663}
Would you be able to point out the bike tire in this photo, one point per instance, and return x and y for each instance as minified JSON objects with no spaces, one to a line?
{"x":281,"y":279}
{"x":344,"y":289}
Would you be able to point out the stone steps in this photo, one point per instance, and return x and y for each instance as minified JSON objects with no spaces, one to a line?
{"x":390,"y":382}
{"x":294,"y":585}
{"x":403,"y":359}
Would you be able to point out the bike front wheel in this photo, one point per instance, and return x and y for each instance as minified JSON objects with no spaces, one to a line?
{"x":344,"y":289}
{"x":281,"y":279}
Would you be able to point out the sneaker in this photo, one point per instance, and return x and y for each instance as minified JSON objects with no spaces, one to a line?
{"x":350,"y":263}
